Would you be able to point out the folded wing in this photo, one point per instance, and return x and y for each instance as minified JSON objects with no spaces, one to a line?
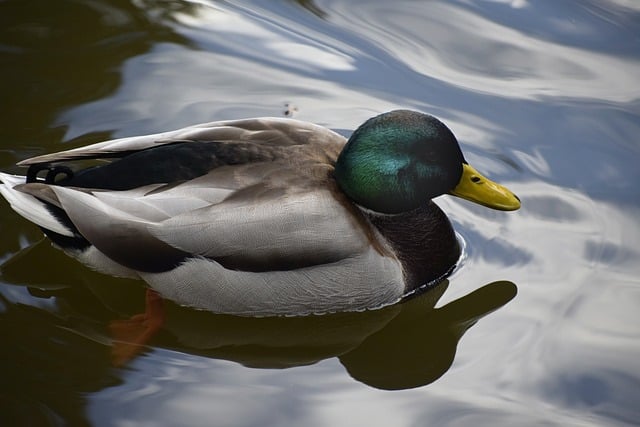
{"x":252,"y":195}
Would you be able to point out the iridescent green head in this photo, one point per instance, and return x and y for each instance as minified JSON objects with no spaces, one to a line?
{"x":398,"y":161}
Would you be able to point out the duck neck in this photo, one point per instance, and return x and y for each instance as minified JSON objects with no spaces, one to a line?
{"x":424,"y":241}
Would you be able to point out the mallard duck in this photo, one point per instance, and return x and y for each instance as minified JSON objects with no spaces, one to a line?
{"x":265,"y":216}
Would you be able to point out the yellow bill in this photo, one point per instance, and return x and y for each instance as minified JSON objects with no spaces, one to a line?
{"x":479,"y":189}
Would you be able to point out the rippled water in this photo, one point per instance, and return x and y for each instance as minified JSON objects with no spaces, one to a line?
{"x":538,"y":326}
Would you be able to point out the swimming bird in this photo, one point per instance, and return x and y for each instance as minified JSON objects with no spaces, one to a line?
{"x":263,"y":216}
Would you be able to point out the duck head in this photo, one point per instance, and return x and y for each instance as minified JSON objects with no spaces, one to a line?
{"x":398,"y":161}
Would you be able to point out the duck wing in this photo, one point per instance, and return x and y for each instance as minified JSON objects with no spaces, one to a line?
{"x":262,"y":199}
{"x":268,"y":131}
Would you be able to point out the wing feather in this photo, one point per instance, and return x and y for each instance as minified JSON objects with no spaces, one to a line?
{"x":122,"y":236}
{"x":254,"y":234}
{"x":263,"y":130}
{"x":266,"y":202}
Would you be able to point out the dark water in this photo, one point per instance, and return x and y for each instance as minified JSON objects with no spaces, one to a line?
{"x":539,"y":325}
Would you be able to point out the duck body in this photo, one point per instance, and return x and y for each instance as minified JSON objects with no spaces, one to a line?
{"x":253,"y":217}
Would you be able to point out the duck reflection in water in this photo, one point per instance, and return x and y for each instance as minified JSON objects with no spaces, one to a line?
{"x":402,"y":346}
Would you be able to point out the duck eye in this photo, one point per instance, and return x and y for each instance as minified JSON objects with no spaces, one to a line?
{"x":475,"y":179}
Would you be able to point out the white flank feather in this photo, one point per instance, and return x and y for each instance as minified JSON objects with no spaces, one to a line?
{"x":368,"y":280}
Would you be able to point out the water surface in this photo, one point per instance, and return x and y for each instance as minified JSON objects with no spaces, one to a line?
{"x":539,"y":324}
